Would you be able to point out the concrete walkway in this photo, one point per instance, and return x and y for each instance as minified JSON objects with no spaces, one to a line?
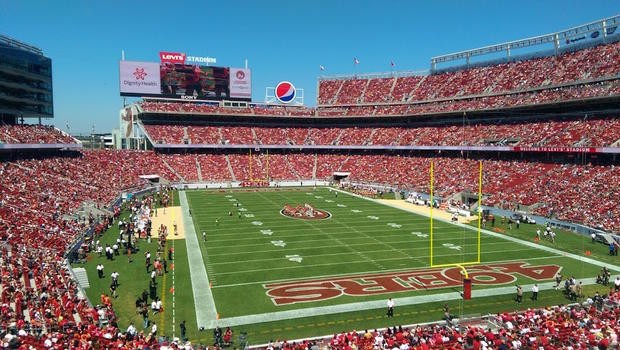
{"x":206,"y":313}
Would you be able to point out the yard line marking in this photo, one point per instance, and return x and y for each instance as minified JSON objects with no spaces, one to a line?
{"x":328,"y":234}
{"x":372,"y":238}
{"x":296,"y":231}
{"x":204,"y":304}
{"x":375,"y":261}
{"x":261,"y":244}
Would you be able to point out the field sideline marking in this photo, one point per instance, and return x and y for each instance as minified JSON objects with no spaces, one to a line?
{"x":204,"y":304}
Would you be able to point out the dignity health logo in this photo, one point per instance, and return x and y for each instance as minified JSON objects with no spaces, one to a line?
{"x":140,"y":78}
{"x":140,"y":74}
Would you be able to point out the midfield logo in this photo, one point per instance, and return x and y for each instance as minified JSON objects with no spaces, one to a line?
{"x":284,"y":293}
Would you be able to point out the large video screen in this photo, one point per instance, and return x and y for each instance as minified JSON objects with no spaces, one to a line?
{"x":186,"y":81}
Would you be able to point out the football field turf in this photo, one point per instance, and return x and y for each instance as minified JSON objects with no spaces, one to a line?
{"x":263,"y":262}
{"x":275,"y":276}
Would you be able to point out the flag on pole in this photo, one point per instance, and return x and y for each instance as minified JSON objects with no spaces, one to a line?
{"x":321,"y":67}
{"x":355,"y":60}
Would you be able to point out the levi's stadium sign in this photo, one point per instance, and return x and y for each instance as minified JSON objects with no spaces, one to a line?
{"x":172,"y":57}
{"x":181,"y":58}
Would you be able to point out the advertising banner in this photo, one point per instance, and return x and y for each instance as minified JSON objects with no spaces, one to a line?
{"x":139,"y":78}
{"x":240,"y":83}
{"x":184,"y":81}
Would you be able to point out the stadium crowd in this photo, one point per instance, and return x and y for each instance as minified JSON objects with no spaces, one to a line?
{"x":456,"y":104}
{"x":590,"y":325}
{"x":582,"y":132}
{"x":580,"y":193}
{"x":33,"y":134}
{"x":500,"y":79}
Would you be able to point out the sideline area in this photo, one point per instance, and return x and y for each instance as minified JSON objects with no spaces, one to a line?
{"x":424,"y":210}
{"x":206,"y":314}
{"x":169,"y":217}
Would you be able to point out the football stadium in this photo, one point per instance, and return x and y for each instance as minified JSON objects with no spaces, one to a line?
{"x":474,"y":205}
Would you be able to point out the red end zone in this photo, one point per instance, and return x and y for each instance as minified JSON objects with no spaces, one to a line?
{"x":284,"y":293}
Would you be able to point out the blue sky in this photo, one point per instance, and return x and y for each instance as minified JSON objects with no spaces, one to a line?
{"x":281,"y":40}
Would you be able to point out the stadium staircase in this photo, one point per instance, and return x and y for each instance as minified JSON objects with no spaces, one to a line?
{"x":316,"y":160}
{"x":343,"y":163}
{"x":307,"y":139}
{"x":337,"y":93}
{"x":172,"y":169}
{"x":186,"y":135}
{"x":148,"y":137}
{"x":370,"y":136}
{"x":199,"y":169}
{"x":219,"y":132}
{"x":89,"y":208}
{"x":411,"y":93}
{"x":337,"y":140}
{"x":230,"y":169}
{"x":446,"y":82}
{"x":254,"y":137}
{"x":492,"y":86}
{"x":363,"y":95}
{"x":389,"y":96}
{"x":66,"y":134}
{"x":81,"y":277}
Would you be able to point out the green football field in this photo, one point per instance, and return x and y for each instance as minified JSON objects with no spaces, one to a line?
{"x":275,"y":276}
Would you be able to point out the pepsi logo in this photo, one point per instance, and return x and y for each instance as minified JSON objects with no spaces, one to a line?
{"x":240,"y":75}
{"x":285,"y":92}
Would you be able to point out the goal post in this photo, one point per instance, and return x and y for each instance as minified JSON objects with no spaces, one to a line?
{"x":253,"y":179}
{"x":463,"y":264}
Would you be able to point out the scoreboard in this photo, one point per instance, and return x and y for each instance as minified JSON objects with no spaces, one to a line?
{"x":179,"y":80}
